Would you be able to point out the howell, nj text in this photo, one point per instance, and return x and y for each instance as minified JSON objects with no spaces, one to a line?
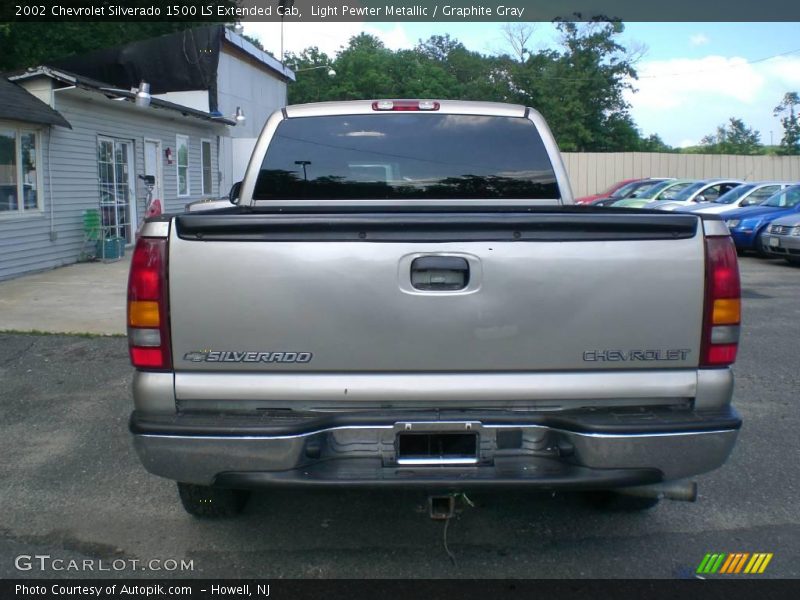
{"x":239,"y":591}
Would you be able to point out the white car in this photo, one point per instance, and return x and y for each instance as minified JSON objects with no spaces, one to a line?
{"x":747,"y":194}
{"x":700,"y":191}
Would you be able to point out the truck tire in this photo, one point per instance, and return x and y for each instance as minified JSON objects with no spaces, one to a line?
{"x":793,"y":260}
{"x":614,"y":501}
{"x":209,"y":502}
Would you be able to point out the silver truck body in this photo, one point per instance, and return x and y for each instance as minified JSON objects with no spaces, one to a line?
{"x":303,"y":351}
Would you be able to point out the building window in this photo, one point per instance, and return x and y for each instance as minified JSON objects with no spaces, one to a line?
{"x":20,"y":190}
{"x":182,"y":144}
{"x":205,"y":159}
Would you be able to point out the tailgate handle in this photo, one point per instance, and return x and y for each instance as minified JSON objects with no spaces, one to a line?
{"x":440,"y":273}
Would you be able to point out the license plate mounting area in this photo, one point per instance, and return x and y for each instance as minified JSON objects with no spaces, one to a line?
{"x":437,"y":443}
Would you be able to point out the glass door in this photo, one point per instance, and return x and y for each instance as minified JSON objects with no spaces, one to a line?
{"x":117,"y":196}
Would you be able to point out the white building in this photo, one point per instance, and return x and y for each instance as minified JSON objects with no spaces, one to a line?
{"x":72,"y":137}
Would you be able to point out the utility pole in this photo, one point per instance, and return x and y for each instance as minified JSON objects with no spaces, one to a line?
{"x":304,"y":163}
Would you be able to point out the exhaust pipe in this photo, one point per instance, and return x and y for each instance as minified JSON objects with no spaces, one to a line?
{"x":682,"y":490}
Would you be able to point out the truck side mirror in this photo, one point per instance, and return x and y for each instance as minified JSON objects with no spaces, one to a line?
{"x":233,"y":195}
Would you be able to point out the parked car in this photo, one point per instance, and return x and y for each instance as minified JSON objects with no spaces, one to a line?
{"x":783,"y":239}
{"x":664,"y":190}
{"x":604,"y":202}
{"x":335,"y":331}
{"x":705,"y":190}
{"x":747,"y":194}
{"x":747,"y":225}
{"x":625,"y":191}
{"x":609,"y":191}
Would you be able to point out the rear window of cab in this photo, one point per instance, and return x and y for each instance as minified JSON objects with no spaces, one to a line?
{"x":406,"y":155}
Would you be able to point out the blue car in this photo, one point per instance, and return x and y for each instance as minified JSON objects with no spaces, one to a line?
{"x":749,"y":223}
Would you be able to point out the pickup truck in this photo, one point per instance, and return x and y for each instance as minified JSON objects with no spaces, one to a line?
{"x":404,"y":295}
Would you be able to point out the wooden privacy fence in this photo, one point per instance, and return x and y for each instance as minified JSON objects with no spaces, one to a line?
{"x":592,"y":172}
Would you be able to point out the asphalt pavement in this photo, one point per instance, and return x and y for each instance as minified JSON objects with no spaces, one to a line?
{"x":74,"y":489}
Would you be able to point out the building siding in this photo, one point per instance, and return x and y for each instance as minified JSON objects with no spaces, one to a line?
{"x":69,"y":163}
{"x":247,"y":84}
{"x":251,"y":86}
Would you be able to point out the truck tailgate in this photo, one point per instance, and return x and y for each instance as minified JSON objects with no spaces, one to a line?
{"x":554,"y":291}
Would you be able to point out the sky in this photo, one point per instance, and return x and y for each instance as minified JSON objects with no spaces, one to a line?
{"x":692,"y":76}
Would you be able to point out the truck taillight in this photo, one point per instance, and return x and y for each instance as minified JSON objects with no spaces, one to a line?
{"x":722,"y":304}
{"x":148,"y":314}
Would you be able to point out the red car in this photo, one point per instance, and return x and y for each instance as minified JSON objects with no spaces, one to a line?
{"x":605,"y":194}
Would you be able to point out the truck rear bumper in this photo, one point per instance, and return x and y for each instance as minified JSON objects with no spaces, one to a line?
{"x":575,"y":451}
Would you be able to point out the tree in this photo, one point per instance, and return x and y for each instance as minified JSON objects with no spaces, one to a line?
{"x":790,"y":109}
{"x":580,"y":88}
{"x":30,"y":44}
{"x":470,"y":74}
{"x":367,"y":69}
{"x":363,"y":70}
{"x":732,"y":138}
{"x":517,"y":35}
{"x":312,"y":83}
{"x":654,"y":143}
{"x":438,"y":47}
